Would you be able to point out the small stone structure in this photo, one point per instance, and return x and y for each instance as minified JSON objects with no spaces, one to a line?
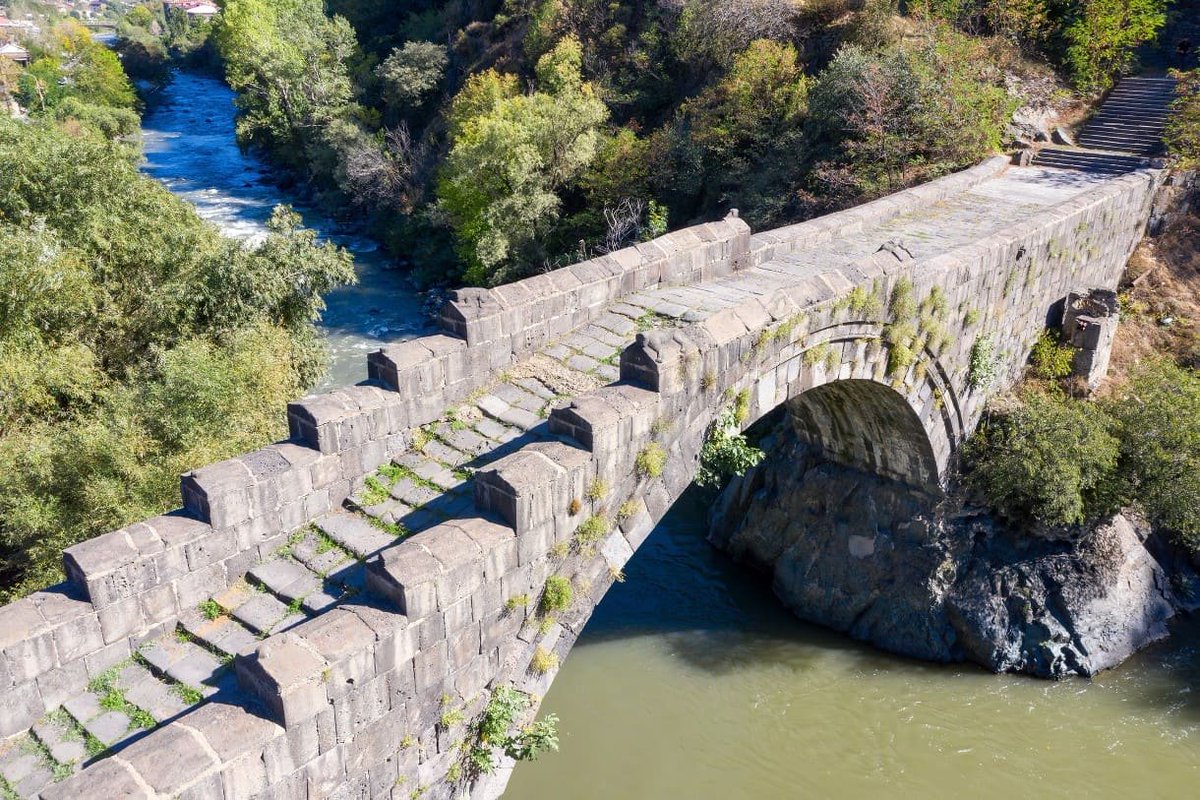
{"x":367,"y":649}
{"x":1090,"y":326}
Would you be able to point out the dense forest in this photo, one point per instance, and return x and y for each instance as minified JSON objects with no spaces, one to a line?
{"x":135,"y":342}
{"x":482,"y":140}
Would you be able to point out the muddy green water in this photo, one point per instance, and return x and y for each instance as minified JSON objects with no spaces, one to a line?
{"x":690,"y":681}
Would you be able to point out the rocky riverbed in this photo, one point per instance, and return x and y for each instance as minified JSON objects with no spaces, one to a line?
{"x":938,"y":579}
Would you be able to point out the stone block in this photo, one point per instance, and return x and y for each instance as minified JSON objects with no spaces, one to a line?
{"x":233,"y":730}
{"x":523,"y":488}
{"x":20,"y":707}
{"x":218,"y":494}
{"x":346,"y":643}
{"x":30,"y":657}
{"x":405,"y":574}
{"x":169,"y":758}
{"x":108,"y":778}
{"x":288,"y":677}
{"x":431,"y":665}
{"x":59,"y":685}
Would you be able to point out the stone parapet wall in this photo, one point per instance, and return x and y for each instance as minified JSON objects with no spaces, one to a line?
{"x":771,"y":244}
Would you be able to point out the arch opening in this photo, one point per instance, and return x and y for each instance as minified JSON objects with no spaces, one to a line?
{"x":867,"y":425}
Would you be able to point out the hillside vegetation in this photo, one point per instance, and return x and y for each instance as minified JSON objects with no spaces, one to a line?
{"x":135,"y":342}
{"x":484,"y":140}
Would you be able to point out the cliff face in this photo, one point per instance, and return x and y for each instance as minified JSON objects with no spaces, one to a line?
{"x":929,"y":578}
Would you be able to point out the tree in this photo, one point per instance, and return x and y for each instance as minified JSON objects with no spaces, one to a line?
{"x":510,"y":156}
{"x":135,"y":342}
{"x":717,"y":30}
{"x":907,"y":113}
{"x":411,"y":73}
{"x":1047,"y":458}
{"x":1183,"y":126}
{"x":1158,"y":416}
{"x":1104,"y":35}
{"x":289,"y":64}
{"x":735,"y":143}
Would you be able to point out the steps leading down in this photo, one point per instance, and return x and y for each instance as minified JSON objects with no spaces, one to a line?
{"x":1125,"y":132}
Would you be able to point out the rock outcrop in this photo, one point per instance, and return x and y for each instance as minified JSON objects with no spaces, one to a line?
{"x":935,"y":579}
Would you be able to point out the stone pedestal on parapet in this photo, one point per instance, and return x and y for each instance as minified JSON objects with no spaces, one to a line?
{"x":1090,"y":326}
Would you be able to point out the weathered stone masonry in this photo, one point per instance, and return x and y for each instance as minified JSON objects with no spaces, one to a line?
{"x":326,"y":706}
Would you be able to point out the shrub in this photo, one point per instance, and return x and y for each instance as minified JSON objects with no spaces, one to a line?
{"x":1183,"y":126}
{"x":650,"y":460}
{"x":1104,"y":35}
{"x":1050,"y":359}
{"x":984,"y":364}
{"x":492,"y":730}
{"x":1158,"y":419}
{"x":1045,"y":457}
{"x":556,"y":596}
{"x":726,"y":452}
{"x":593,"y":529}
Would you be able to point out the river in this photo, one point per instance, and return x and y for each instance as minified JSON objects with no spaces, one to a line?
{"x":188,"y":138}
{"x":690,"y":681}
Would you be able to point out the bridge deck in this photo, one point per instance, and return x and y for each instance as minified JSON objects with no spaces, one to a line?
{"x":322,"y":564}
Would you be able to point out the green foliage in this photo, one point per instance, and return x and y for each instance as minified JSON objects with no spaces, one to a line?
{"x":411,"y":73}
{"x":1158,"y":419}
{"x":726,"y":452}
{"x":135,"y":342}
{"x":211,"y":609}
{"x":747,"y":124}
{"x":651,"y":460}
{"x":515,"y":602}
{"x":1050,"y":359}
{"x":1182,"y":134}
{"x":984,"y":365}
{"x":909,"y":112}
{"x":556,"y":595}
{"x":511,"y":155}
{"x":1104,"y":35}
{"x":291,"y":67}
{"x":542,"y":660}
{"x":1046,"y":458}
{"x":593,"y":529}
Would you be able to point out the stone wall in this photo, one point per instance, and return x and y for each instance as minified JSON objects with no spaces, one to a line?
{"x":375,"y":697}
{"x":131,"y":585}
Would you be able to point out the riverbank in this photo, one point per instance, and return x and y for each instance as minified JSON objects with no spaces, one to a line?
{"x":190,"y":146}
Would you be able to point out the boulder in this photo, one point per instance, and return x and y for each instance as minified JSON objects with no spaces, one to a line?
{"x":933,"y":578}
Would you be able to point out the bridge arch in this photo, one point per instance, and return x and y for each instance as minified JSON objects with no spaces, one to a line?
{"x":866,"y":424}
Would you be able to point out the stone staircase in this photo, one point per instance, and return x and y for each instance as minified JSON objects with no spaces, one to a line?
{"x":1123,"y":135}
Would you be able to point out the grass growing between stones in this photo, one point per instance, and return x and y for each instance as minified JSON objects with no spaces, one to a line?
{"x":59,"y":770}
{"x":7,"y":792}
{"x":556,"y":595}
{"x":542,"y":660}
{"x":393,"y":528}
{"x":593,"y":529}
{"x":515,"y":602}
{"x":112,"y":698}
{"x":450,"y":715}
{"x":650,"y":460}
{"x":210,"y":609}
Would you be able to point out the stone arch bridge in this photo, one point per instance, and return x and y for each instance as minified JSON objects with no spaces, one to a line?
{"x":328,"y":616}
